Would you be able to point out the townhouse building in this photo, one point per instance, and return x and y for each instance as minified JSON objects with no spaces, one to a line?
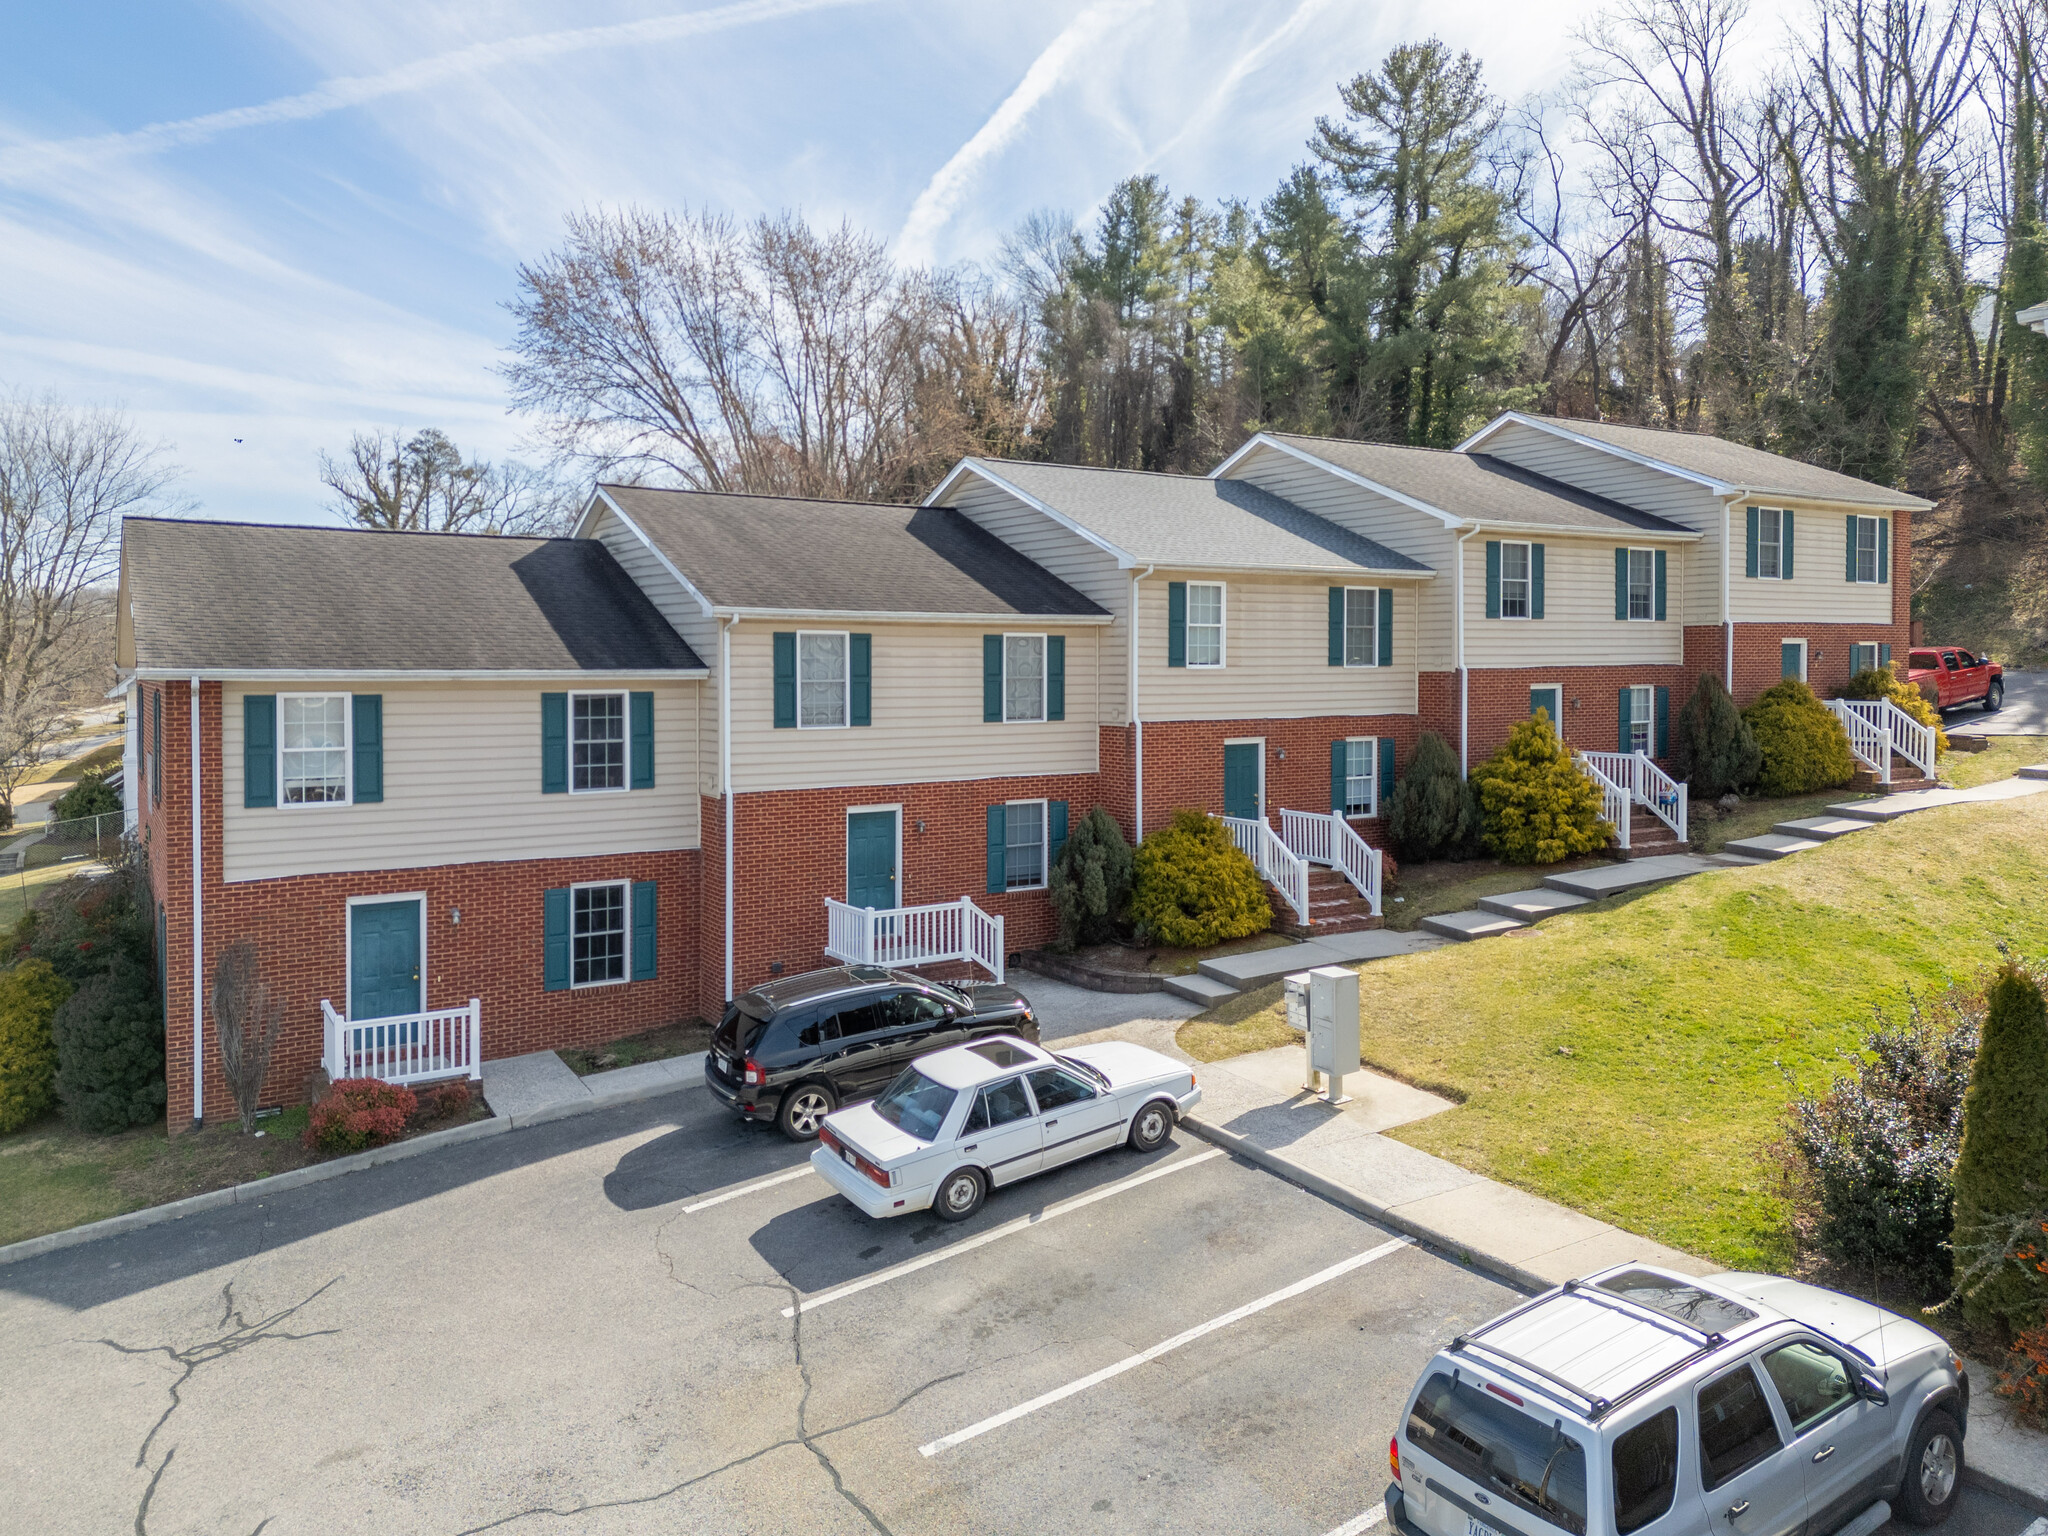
{"x":476,"y":796}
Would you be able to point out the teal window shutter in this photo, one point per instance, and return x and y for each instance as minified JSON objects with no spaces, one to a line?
{"x":1662,"y":565}
{"x":1340,"y":763}
{"x":1383,"y":786}
{"x":1749,"y":564}
{"x":156,"y":754}
{"x":1176,"y":623}
{"x":259,"y":748}
{"x":643,"y":930}
{"x":1621,"y":584}
{"x":1535,"y":581}
{"x":785,"y":680}
{"x":860,"y":671}
{"x":1622,"y":702}
{"x":1055,"y":677}
{"x":1884,"y":657}
{"x":554,"y":743}
{"x":1386,"y":645}
{"x":998,"y":820}
{"x":640,"y":725}
{"x":992,"y":677}
{"x":1055,"y":829}
{"x":1884,"y":549}
{"x":1785,"y":545}
{"x":1336,"y":626}
{"x":1851,"y":562}
{"x":554,"y":964}
{"x":1663,"y":722}
{"x":368,"y":731}
{"x":1493,"y":578}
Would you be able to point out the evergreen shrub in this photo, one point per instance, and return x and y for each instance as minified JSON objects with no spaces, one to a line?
{"x":1091,"y":881}
{"x":1535,"y":806}
{"x":1431,"y":813}
{"x":110,"y":1051}
{"x":1804,"y":746}
{"x":30,"y":993}
{"x":90,"y":796}
{"x":2002,"y":1169}
{"x":1885,"y":683}
{"x":1193,"y":887}
{"x":1712,"y":747}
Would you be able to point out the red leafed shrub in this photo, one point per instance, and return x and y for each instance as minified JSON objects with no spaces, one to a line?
{"x":359,"y":1112}
{"x":2025,"y":1377}
{"x":447,"y":1101}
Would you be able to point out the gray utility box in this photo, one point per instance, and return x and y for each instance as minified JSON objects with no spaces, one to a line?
{"x":1323,"y":1005}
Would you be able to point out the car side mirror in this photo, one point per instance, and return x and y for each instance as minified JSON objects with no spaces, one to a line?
{"x":1873,"y":1389}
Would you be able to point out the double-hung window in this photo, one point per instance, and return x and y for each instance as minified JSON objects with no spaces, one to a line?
{"x":312,"y":737}
{"x":1866,"y":549}
{"x":1205,"y":623}
{"x":1862,"y":658}
{"x":1514,"y":581}
{"x":1024,"y":845}
{"x":598,"y":933}
{"x":821,"y":678}
{"x":597,"y":742}
{"x":1023,"y":677}
{"x":1360,"y":792}
{"x":1361,"y":626}
{"x":1770,"y":545}
{"x":1642,"y":705}
{"x":1642,"y":584}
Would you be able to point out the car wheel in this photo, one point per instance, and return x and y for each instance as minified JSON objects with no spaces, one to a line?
{"x":1995,"y":696}
{"x":1934,"y":1471}
{"x":1151,"y":1126}
{"x":804,"y":1109}
{"x":960,"y":1196}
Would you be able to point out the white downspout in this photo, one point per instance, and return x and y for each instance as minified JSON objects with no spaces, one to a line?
{"x":1727,"y":612}
{"x":725,"y":778}
{"x":1137,"y":721}
{"x":1464,"y":677}
{"x":131,"y":761}
{"x":198,"y":926}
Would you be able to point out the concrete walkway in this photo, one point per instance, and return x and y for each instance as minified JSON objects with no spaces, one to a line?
{"x":526,"y":1090}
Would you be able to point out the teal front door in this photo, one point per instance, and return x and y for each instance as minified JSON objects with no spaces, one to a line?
{"x":383,"y":959}
{"x":871,"y":859}
{"x":1241,"y":780}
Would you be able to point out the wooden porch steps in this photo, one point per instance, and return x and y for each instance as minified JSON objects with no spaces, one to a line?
{"x":1334,"y":906}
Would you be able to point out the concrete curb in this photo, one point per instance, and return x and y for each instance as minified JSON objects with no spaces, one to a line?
{"x":2029,"y":1499}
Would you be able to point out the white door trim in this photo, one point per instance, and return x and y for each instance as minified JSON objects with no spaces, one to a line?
{"x":1260,"y":743}
{"x":348,"y":926}
{"x":846,"y":846}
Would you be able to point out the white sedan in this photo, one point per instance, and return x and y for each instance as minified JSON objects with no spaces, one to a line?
{"x":960,"y":1121}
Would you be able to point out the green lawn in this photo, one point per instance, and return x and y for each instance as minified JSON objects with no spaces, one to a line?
{"x":1632,"y":1060}
{"x":2005,"y":756}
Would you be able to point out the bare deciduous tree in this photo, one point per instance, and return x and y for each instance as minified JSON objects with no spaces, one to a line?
{"x":247,"y":1019}
{"x":393,"y":483}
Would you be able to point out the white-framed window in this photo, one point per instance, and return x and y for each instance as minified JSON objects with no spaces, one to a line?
{"x":1205,"y":623}
{"x":1863,"y":657}
{"x":1023,"y":677}
{"x":1361,"y":626}
{"x":597,"y":932}
{"x":822,"y":687}
{"x":1642,"y":584}
{"x":1361,"y":779}
{"x":1514,"y":581}
{"x":1024,"y":845}
{"x":313,"y":748}
{"x":597,"y":742}
{"x":1642,"y":716}
{"x":1770,"y":547}
{"x":1866,"y":549}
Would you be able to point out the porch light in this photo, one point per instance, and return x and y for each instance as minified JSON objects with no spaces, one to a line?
{"x":455,"y":915}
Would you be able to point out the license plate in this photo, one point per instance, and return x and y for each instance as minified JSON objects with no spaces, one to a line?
{"x":1474,"y":1527}
{"x":847,"y":1154}
{"x":725,"y":1064}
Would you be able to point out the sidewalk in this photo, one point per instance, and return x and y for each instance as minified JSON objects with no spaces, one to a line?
{"x":530,"y":1090}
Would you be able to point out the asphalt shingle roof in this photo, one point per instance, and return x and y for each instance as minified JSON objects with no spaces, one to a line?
{"x":1193,"y":522}
{"x":1480,"y":487}
{"x":234,"y":596}
{"x":798,"y":556}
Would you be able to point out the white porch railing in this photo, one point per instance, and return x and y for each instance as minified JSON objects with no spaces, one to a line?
{"x":407,"y":1048}
{"x":1323,"y":837}
{"x":927,"y":935}
{"x":1274,"y":860}
{"x":1877,"y":728}
{"x":1646,"y":785}
{"x":1615,"y":802}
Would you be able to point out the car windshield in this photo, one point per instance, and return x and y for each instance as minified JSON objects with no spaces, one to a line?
{"x":1535,"y":1465}
{"x":916,"y":1105}
{"x":1084,"y":1069}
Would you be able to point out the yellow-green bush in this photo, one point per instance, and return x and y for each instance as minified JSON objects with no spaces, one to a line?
{"x":1885,"y":683}
{"x":1194,"y":887}
{"x":1804,"y":746}
{"x":1535,"y":805}
{"x":29,"y":996}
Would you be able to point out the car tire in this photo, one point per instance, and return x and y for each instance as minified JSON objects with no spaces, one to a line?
{"x":960,"y":1195}
{"x":804,"y":1108}
{"x":1934,"y":1471}
{"x":1150,"y":1126}
{"x":1994,"y":696}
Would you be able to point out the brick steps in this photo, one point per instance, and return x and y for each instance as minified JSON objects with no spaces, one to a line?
{"x":1649,"y":838}
{"x":1905,"y":776}
{"x":1334,"y":906}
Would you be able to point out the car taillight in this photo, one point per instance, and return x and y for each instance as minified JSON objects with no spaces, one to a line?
{"x":754,"y":1074}
{"x":868,"y":1168}
{"x":826,"y":1138}
{"x":1394,"y":1456}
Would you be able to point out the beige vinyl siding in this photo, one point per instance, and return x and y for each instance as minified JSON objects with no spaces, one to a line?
{"x":1276,"y":649}
{"x":1578,"y":627}
{"x":1818,"y":592}
{"x":1401,"y":528}
{"x":1085,"y":567}
{"x":925,"y":705}
{"x":462,"y":767}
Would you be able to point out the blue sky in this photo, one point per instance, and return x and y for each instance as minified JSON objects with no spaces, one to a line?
{"x":281,"y":221}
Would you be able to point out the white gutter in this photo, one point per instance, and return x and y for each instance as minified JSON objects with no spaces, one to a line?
{"x":198,"y":927}
{"x":569,"y":675}
{"x":1137,"y":722}
{"x":725,"y":778}
{"x":1464,"y":675}
{"x":131,"y":759}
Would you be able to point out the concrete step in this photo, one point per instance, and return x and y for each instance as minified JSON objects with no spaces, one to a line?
{"x":1200,"y":989}
{"x":1530,"y":906}
{"x":1820,"y":829}
{"x":1770,"y":845}
{"x":1733,"y":860}
{"x":1471,"y":925}
{"x":1616,"y":879}
{"x":2036,"y":771}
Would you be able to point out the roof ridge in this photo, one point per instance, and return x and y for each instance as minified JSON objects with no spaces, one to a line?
{"x":823,"y":501}
{"x":1100,"y":469}
{"x":426,"y":533}
{"x":1367,"y":442}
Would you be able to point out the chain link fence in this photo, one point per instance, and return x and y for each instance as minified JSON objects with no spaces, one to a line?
{"x":79,"y":839}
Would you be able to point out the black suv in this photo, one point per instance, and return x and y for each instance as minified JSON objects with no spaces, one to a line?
{"x":796,"y":1049}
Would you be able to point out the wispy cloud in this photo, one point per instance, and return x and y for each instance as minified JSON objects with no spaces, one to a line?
{"x":1240,"y":68}
{"x":935,"y":205}
{"x":28,"y":162}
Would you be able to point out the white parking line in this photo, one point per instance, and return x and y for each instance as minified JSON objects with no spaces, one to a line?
{"x":748,"y":1189}
{"x":1144,"y":1357}
{"x":1359,"y":1525}
{"x":1036,"y":1219}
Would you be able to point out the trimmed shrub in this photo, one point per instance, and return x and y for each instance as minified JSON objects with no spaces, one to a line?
{"x":90,"y":796}
{"x":446,"y":1101}
{"x":1712,"y":747}
{"x":360,"y":1112}
{"x":1194,"y":887}
{"x":1535,"y":806}
{"x":1885,"y":683}
{"x":2003,"y":1166}
{"x":1431,"y":812}
{"x":30,"y":994}
{"x":1091,"y":881}
{"x":1804,"y":746}
{"x":83,"y":926}
{"x":110,"y":1051}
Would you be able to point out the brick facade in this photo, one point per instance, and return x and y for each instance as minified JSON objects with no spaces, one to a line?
{"x":1499,"y":701}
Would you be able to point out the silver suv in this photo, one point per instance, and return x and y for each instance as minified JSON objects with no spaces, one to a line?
{"x":1638,"y":1402}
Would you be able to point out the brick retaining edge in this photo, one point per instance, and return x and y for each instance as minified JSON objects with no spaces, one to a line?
{"x":1060,"y":968}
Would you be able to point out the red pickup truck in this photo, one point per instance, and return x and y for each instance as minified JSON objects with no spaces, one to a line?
{"x":1950,"y":676}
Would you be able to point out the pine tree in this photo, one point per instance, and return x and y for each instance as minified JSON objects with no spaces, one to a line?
{"x":1431,"y":812}
{"x":1712,"y":747}
{"x":2002,"y":1171}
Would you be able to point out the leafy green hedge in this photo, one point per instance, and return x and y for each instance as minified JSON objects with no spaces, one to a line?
{"x":1535,"y":806}
{"x":1194,"y":887}
{"x":1804,"y":746}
